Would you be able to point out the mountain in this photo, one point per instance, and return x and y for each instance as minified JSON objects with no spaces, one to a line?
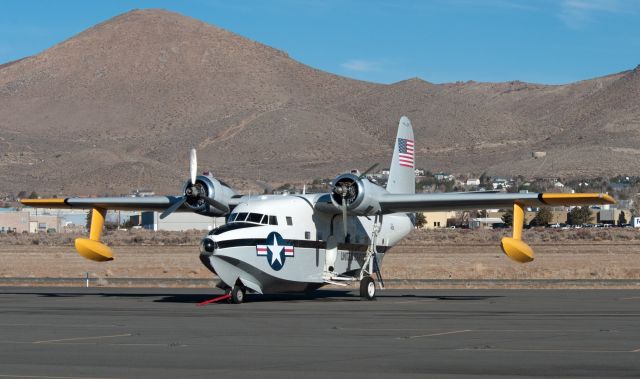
{"x":118,"y":106}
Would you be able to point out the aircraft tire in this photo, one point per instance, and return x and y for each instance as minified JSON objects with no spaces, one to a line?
{"x":237,"y":295}
{"x":367,"y":288}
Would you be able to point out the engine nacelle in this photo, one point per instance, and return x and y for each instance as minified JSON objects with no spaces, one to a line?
{"x":359,"y":194}
{"x":211,"y":188}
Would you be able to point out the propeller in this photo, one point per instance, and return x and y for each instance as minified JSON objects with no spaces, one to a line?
{"x":344,"y":189}
{"x":173,"y":207}
{"x":344,"y":218}
{"x":364,"y":174}
{"x":194,"y":192}
{"x":193,"y":165}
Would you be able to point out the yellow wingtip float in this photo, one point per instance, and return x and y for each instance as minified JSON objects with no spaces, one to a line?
{"x":517,"y":249}
{"x":514,"y":247}
{"x":92,"y":248}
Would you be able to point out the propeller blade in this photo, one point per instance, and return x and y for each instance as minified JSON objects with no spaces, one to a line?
{"x":364,"y":174}
{"x":344,"y":217}
{"x":173,"y":207}
{"x":193,"y":166}
{"x":216,"y":204}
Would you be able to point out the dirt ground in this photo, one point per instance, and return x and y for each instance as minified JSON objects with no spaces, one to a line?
{"x":442,"y":255}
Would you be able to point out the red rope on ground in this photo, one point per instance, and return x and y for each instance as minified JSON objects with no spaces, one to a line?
{"x":214,"y":300}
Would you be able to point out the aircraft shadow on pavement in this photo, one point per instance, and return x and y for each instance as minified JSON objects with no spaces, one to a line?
{"x":329,"y":295}
{"x":320,"y":295}
{"x":256,"y":298}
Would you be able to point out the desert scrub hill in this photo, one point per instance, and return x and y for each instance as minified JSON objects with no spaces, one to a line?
{"x":414,"y":239}
{"x":109,"y":237}
{"x":89,"y":105}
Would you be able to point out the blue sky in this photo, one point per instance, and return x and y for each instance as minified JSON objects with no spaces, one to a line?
{"x":543,"y":41}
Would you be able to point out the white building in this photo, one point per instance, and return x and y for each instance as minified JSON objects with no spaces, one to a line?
{"x":180,"y":221}
{"x":473,"y":182}
{"x":24,"y":221}
{"x":441,"y":176}
{"x":484,"y":222}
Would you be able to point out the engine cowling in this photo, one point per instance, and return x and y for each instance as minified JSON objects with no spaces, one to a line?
{"x":359,"y":194}
{"x":207,"y":187}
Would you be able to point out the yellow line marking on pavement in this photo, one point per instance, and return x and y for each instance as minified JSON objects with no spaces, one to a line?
{"x":84,"y":338}
{"x":436,"y":334}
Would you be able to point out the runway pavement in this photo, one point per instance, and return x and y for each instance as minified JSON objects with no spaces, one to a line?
{"x":161,"y":333}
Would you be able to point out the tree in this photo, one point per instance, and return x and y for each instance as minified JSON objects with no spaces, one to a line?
{"x":543,"y":218}
{"x":622,"y":219}
{"x":88,"y":220}
{"x":420,"y":220}
{"x":33,"y":195}
{"x":579,"y":216}
{"x":507,"y":217}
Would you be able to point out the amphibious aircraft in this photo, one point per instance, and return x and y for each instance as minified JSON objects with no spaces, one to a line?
{"x":286,"y":243}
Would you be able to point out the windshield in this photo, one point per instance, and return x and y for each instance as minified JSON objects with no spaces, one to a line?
{"x":257,"y":218}
{"x":230,"y":226}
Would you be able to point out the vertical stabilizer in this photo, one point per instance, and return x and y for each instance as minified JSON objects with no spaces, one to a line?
{"x":402,"y":174}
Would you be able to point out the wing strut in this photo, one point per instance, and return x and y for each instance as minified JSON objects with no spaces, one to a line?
{"x":92,"y":248}
{"x":514,"y":247}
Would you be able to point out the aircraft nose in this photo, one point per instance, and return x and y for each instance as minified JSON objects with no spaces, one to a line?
{"x":207,"y":246}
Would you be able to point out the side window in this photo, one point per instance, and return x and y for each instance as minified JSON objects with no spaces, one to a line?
{"x":273,"y":220}
{"x":289,"y":221}
{"x":265,"y":220}
{"x":307,"y":235}
{"x":232,"y":217}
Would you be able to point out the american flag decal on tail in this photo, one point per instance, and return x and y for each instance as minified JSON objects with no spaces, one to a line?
{"x":405,"y":152}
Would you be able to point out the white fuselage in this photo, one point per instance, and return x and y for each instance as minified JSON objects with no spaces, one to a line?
{"x":277,"y":243}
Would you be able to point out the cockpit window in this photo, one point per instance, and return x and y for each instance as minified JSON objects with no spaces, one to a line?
{"x":254,"y":217}
{"x":258,"y":218}
{"x":232,"y":226}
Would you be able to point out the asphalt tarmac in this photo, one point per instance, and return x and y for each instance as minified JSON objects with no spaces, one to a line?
{"x":161,"y":333}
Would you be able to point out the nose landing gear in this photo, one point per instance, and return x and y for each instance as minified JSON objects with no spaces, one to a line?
{"x":237,"y":294}
{"x":367,"y":288}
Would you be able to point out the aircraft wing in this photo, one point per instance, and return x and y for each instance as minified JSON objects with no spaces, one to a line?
{"x":151,"y":203}
{"x":92,"y":248}
{"x":513,"y":246}
{"x":393,"y":203}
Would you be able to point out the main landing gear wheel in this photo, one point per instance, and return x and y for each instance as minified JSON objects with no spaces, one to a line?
{"x":237,"y":295}
{"x":367,"y":288}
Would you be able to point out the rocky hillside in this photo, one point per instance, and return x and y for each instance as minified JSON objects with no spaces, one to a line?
{"x":118,"y":106}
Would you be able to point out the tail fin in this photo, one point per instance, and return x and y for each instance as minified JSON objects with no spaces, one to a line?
{"x":402,"y":176}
